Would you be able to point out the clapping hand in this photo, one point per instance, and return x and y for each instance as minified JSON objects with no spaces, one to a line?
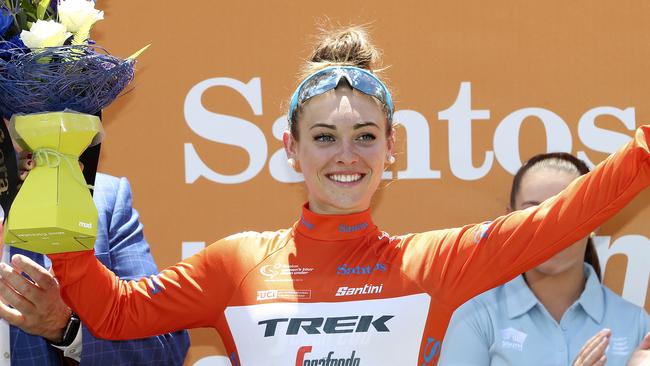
{"x":593,"y":352}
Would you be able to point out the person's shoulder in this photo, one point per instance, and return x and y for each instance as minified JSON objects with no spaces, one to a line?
{"x":103,"y":180}
{"x":108,"y":185}
{"x":624,"y":317}
{"x":487,"y":302}
{"x":619,"y":306}
{"x":258,"y":236}
{"x":261,"y":243}
{"x":110,"y":191}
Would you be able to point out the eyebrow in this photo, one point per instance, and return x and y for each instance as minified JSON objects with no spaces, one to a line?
{"x":365,"y":124}
{"x":356,"y":126}
{"x":315,"y":125}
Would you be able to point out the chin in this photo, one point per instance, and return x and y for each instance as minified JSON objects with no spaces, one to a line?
{"x":553,"y":268}
{"x":348,"y":205}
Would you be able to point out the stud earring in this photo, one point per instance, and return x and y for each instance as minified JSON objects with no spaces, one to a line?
{"x":391,"y":159}
{"x":292,"y":163}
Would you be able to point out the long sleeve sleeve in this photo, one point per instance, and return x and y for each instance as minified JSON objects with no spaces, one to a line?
{"x":183,"y":296}
{"x":127,"y":254}
{"x":458,"y":264}
{"x":189,"y":294}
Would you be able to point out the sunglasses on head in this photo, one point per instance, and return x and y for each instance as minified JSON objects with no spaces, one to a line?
{"x":329,"y":78}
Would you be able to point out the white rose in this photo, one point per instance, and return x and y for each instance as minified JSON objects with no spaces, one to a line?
{"x":75,"y":14}
{"x":45,"y":34}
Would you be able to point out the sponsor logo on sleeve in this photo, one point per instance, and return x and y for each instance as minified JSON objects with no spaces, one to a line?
{"x":482,"y":232}
{"x":155,"y":285}
{"x":431,"y":350}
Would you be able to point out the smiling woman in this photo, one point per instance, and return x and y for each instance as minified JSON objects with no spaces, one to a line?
{"x":342,"y":150}
{"x":282,"y":297}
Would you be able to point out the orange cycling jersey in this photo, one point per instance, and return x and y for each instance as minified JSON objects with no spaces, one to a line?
{"x":335,"y":290}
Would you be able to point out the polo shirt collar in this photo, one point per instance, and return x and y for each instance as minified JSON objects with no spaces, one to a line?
{"x":592,"y":298}
{"x":520,"y":298}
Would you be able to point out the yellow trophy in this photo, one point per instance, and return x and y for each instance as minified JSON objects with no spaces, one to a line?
{"x":52,"y":88}
{"x":54,"y":211}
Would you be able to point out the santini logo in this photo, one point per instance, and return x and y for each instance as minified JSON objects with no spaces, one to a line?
{"x":331,"y":325}
{"x":352,"y":228}
{"x":345,"y":270}
{"x":365,"y":290}
{"x":86,"y":225}
{"x":328,"y":360}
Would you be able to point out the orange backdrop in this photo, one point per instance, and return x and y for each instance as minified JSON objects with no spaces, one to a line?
{"x":479,"y":86}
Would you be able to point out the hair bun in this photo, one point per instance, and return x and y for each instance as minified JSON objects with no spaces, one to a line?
{"x":348,"y":46}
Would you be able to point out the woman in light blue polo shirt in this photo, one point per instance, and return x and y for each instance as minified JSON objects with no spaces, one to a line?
{"x":546,"y":315}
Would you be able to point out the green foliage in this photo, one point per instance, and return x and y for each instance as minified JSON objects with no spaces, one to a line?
{"x":41,"y":9}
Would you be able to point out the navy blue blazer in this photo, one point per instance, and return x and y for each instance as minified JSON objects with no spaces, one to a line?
{"x":121,"y":247}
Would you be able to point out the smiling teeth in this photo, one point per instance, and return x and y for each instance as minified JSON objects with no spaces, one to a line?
{"x":345,"y":178}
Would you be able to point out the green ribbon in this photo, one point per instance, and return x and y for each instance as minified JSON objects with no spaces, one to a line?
{"x":52,"y":159}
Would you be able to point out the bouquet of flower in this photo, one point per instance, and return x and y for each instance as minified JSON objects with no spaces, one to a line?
{"x":53,"y":82}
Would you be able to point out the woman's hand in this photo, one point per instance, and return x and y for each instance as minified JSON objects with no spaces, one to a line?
{"x":641,"y":356}
{"x":25,"y":164}
{"x":593,"y":352}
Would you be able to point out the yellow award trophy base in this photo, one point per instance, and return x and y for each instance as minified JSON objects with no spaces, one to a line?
{"x":54,"y":211}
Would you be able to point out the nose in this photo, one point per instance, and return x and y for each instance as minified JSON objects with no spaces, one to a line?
{"x":347,"y":154}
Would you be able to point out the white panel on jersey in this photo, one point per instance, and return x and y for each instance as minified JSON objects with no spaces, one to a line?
{"x":368,"y":332}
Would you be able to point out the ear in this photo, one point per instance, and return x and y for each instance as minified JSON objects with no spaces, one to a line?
{"x":291,"y":148}
{"x":290,"y":144}
{"x":390,"y":144}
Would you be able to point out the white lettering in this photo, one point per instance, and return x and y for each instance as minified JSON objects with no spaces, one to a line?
{"x":418,"y":165}
{"x":224,"y":129}
{"x":506,"y":136}
{"x":602,"y":140}
{"x":278,"y":167}
{"x":635,"y":248}
{"x":460,"y":116}
{"x":239,"y":132}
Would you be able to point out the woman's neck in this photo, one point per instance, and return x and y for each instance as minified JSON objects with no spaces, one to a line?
{"x":557,"y":292}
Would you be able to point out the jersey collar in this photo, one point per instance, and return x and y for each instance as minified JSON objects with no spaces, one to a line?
{"x":334,"y":227}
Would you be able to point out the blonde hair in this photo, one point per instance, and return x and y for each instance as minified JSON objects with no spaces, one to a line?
{"x":341,"y":46}
{"x":346,"y":46}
